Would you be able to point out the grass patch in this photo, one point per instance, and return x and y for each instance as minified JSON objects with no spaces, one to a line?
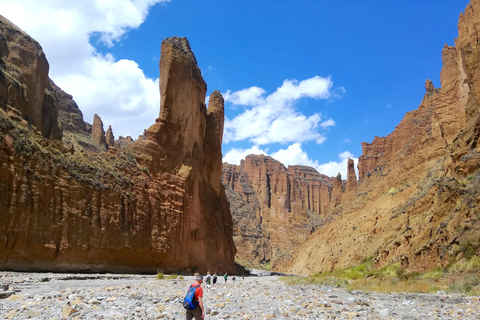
{"x":461,"y":277}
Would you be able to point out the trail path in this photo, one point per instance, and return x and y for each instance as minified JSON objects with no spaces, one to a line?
{"x":106,"y":296}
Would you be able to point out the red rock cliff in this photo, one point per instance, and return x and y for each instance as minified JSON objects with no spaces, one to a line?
{"x":156,"y":205}
{"x":24,"y":83}
{"x":415,"y":201}
{"x":274,"y":208}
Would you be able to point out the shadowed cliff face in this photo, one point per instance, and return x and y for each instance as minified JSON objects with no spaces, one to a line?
{"x":416,"y":199}
{"x":24,"y":83}
{"x":156,"y":205}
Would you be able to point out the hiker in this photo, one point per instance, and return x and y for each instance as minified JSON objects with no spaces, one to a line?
{"x":214,"y":278}
{"x":209,"y":279}
{"x":225,"y":277}
{"x":197,"y":300}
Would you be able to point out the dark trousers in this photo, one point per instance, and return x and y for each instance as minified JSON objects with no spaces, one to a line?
{"x":195,"y":313}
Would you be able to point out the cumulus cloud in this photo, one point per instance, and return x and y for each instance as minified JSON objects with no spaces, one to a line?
{"x":274,"y":118}
{"x":328,"y":123}
{"x":235,"y":155}
{"x":332,"y":168}
{"x":295,"y":155}
{"x":247,"y":97}
{"x":118,"y":91}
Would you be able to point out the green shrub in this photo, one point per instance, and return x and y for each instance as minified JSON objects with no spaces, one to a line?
{"x":435,"y":273}
{"x":160,"y":276}
{"x":468,"y":250}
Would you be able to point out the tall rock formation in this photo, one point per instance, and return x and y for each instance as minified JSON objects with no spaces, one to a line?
{"x":153,"y":206}
{"x":184,"y":148}
{"x":98,"y":133}
{"x":109,"y":138}
{"x":274,"y":208}
{"x":417,"y":195}
{"x":24,"y":83}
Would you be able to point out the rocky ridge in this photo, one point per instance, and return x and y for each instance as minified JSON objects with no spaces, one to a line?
{"x":415,"y":202}
{"x":138,"y":209}
{"x":275,"y":208}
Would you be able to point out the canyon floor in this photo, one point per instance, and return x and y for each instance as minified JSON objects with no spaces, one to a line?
{"x":111,"y":296}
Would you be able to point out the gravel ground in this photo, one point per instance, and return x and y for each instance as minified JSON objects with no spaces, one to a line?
{"x":107,"y":296}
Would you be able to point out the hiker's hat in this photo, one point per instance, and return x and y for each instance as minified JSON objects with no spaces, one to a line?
{"x":199,"y":278}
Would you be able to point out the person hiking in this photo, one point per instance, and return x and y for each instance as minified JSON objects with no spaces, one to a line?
{"x":198,"y":312}
{"x":225,"y":277}
{"x":209,"y":279}
{"x":214,"y":278}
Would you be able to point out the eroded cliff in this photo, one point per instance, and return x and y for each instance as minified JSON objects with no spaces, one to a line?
{"x":416,"y":199}
{"x":274,"y":208}
{"x":156,"y":205}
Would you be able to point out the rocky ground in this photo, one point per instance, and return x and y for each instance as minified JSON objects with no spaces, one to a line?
{"x":106,"y":296}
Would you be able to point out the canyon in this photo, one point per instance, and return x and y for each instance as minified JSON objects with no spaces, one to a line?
{"x":414,"y":202}
{"x":74,"y":198}
{"x":68,"y":205}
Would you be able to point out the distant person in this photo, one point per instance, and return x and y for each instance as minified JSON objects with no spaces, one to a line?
{"x":214,"y":278}
{"x":194,"y":297}
{"x":209,"y":279}
{"x":225,"y":277}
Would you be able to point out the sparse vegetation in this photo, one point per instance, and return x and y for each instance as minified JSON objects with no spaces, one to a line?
{"x":100,"y":171}
{"x":160,"y":276}
{"x":460,"y":277}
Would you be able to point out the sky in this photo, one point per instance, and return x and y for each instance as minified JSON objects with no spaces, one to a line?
{"x":305,"y":82}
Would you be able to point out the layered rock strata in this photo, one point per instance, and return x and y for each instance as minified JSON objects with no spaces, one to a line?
{"x":24,"y":83}
{"x":98,"y":133}
{"x":274,"y":208}
{"x":416,"y":199}
{"x":158,"y":205}
{"x":109,"y":137}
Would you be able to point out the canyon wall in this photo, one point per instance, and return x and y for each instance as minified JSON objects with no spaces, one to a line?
{"x":274,"y":208}
{"x":154,"y":205}
{"x":416,"y":199}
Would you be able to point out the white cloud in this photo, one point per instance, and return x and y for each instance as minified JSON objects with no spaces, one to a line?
{"x":328,"y":123}
{"x":274,"y":119}
{"x":246,"y":97}
{"x":117,"y":91}
{"x":235,"y":155}
{"x":332,"y":168}
{"x":295,"y":155}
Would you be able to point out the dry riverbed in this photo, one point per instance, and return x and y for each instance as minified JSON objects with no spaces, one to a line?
{"x":108,"y":296}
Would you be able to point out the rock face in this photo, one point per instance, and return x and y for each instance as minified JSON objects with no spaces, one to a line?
{"x":158,"y":205}
{"x":109,"y":138}
{"x":274,"y":208}
{"x":24,"y":83}
{"x":416,"y":199}
{"x":184,"y":148}
{"x":97,"y":131}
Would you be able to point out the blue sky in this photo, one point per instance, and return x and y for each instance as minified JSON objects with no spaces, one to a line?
{"x":304,"y":81}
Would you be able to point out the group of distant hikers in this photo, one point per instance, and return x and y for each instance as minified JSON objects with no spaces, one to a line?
{"x":193,"y":301}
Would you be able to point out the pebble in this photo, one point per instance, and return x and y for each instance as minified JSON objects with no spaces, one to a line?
{"x":107,"y":296}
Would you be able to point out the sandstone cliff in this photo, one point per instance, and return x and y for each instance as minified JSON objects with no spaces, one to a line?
{"x":416,"y":199}
{"x":156,"y":205}
{"x":24,"y":83}
{"x":274,"y":208}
